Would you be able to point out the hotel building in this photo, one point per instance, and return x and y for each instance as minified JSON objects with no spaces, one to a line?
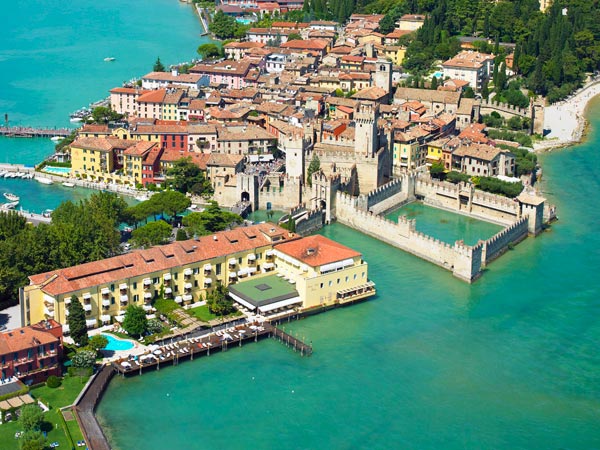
{"x":319,"y":272}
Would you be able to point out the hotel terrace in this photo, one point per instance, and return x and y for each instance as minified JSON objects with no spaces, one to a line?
{"x":319,"y":272}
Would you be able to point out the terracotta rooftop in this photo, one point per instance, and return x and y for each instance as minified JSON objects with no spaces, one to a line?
{"x":140,"y":148}
{"x":317,"y":250}
{"x":306,"y":44}
{"x":28,"y":337}
{"x":172,"y":155}
{"x":157,"y":259}
{"x":224,"y":160}
{"x":103,"y":144}
{"x":468,"y":60}
{"x":156,"y":96}
{"x":168,"y":76}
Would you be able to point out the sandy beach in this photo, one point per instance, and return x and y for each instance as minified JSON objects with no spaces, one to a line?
{"x":566,"y":119}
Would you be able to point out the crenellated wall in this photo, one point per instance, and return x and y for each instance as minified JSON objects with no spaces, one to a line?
{"x":462,"y":260}
{"x":500,"y":242}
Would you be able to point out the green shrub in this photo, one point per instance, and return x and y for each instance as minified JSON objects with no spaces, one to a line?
{"x":496,"y":186}
{"x":456,"y":177}
{"x":53,"y":382}
{"x":165,"y":305}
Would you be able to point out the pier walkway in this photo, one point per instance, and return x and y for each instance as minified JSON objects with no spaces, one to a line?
{"x":85,"y":407}
{"x":30,"y":132}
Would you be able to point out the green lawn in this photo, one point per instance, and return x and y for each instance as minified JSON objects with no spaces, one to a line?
{"x":202,"y":313}
{"x":53,"y":424}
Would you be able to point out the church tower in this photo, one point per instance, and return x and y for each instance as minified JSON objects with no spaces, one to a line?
{"x":383,"y":75}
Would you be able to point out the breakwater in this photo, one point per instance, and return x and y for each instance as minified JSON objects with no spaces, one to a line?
{"x":31,"y":132}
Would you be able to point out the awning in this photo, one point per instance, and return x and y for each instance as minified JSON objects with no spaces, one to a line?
{"x":147,"y":307}
{"x":65,"y":328}
{"x":270,"y":252}
{"x":337,"y":265}
{"x":178,"y":299}
{"x":242,"y":302}
{"x":187,"y":285}
{"x":104,"y":291}
{"x":150,"y":316}
{"x":304,"y":268}
{"x":106,"y":302}
{"x":232,"y":261}
{"x":66,"y":312}
{"x":87,"y":307}
{"x":123,"y":286}
{"x":242,"y":272}
{"x":251,"y":270}
{"x":148,"y":295}
{"x":168,"y":290}
{"x":232,"y":275}
{"x":281,"y":304}
{"x":48,"y":312}
{"x":67,"y":300}
{"x":207,"y":267}
{"x":268,"y":265}
{"x":87,"y":295}
{"x":187,"y":272}
{"x":147,"y":281}
{"x":90,"y":323}
{"x":187,"y":297}
{"x":251,"y":257}
{"x":207,"y":281}
{"x":48,"y":298}
{"x":119,"y":318}
{"x":105,"y":318}
{"x":167,"y":276}
{"x":124,"y":298}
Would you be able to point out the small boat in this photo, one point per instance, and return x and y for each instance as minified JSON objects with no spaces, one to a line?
{"x":11,"y":197}
{"x":47,"y":213}
{"x":68,"y":184}
{"x":56,"y":138}
{"x":109,"y":59}
{"x":11,"y":205}
{"x":44,"y":180}
{"x":75,"y":119}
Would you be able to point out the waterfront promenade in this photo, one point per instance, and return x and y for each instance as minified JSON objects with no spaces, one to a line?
{"x":31,"y":132}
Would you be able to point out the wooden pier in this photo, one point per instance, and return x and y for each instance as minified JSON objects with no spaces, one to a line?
{"x":195,"y":347}
{"x":31,"y":132}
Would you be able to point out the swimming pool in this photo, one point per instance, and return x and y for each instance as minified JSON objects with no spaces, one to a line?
{"x":438,"y":74}
{"x":117,"y":344}
{"x":64,"y":171}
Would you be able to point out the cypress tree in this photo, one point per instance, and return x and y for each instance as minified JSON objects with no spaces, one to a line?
{"x":434,"y":83}
{"x":76,"y":322}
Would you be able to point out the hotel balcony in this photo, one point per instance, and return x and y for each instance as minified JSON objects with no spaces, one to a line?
{"x":105,"y":292}
{"x":232,"y":277}
{"x":86,"y":297}
{"x":187,"y":273}
{"x":167,"y":279}
{"x":49,"y":312}
{"x":251,"y":258}
{"x":87,"y":308}
{"x":106,"y":303}
{"x":207,"y":282}
{"x":232,"y":263}
{"x":123,"y":288}
{"x":187,"y":298}
{"x":67,"y":301}
{"x":270,"y":254}
{"x":147,"y":282}
{"x":207,"y":269}
{"x":124,"y":299}
{"x":91,"y":323}
{"x":147,"y":308}
{"x":178,"y":299}
{"x":105,"y":319}
{"x":168,"y":292}
{"x":187,"y":287}
{"x":148,"y":297}
{"x":268,"y":267}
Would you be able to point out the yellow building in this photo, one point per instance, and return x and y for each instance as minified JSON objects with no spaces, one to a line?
{"x":434,"y":151}
{"x":323,"y":272}
{"x":395,"y":53}
{"x":109,"y":160}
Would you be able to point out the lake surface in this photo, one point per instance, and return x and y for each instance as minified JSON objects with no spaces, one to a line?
{"x":510,"y":362}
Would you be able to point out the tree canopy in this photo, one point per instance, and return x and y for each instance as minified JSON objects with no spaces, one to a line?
{"x":314,"y":166}
{"x":31,"y":417}
{"x":153,"y":233}
{"x":208,"y":51}
{"x":158,"y":66}
{"x":218,"y":301}
{"x":135,"y":322}
{"x":76,"y":322}
{"x":210,"y":220}
{"x":225,"y":27}
{"x":105,"y":114}
{"x":185,"y":176}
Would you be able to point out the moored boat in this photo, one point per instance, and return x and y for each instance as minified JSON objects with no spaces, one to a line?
{"x":11,"y":197}
{"x":44,"y":180}
{"x":109,"y":58}
{"x":56,"y":138}
{"x":68,"y":184}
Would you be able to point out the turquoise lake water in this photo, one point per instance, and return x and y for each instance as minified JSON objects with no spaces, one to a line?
{"x":444,"y":225}
{"x":510,"y":362}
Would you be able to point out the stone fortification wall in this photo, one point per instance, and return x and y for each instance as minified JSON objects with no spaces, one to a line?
{"x":309,"y":222}
{"x":464,"y":261}
{"x":464,"y":199}
{"x":280,"y":197}
{"x":500,"y":242}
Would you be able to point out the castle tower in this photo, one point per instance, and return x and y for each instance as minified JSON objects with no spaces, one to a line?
{"x":383,"y":75}
{"x":293,"y":147}
{"x":366,"y":139}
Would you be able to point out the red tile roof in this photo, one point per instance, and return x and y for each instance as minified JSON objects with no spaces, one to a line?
{"x":306,"y":44}
{"x":28,"y":337}
{"x":317,"y":250}
{"x":158,"y":259}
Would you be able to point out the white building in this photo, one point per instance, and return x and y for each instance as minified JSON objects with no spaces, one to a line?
{"x":470,"y":66}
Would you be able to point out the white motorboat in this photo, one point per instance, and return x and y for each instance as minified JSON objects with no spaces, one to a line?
{"x":11,"y":197}
{"x":44,"y":180}
{"x":56,"y":138}
{"x":109,"y":58}
{"x":68,"y":184}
